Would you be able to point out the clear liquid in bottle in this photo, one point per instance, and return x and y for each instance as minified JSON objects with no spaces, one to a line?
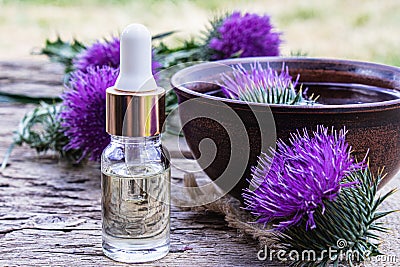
{"x":136,"y":212}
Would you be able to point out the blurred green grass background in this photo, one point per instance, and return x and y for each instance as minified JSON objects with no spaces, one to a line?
{"x":356,"y":29}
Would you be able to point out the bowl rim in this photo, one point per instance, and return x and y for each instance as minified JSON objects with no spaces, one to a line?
{"x":382,"y":104}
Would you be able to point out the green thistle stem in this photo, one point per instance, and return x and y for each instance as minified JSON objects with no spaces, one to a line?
{"x":7,"y":156}
{"x":353,"y":217}
{"x":41,"y":129}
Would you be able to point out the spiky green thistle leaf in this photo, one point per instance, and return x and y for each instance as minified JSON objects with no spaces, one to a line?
{"x":41,"y":129}
{"x":353,"y":219}
{"x":62,"y":51}
{"x":190,"y":50}
{"x":162,"y":35}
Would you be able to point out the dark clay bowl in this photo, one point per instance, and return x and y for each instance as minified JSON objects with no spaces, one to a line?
{"x":363,"y":97}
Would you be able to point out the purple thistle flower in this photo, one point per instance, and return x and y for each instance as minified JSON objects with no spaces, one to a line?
{"x":103,"y":53}
{"x":262,"y":85}
{"x":84,"y":110}
{"x":297,"y":180}
{"x":247,"y":35}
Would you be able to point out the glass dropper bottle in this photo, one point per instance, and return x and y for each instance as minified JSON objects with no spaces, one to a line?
{"x":135,"y":170}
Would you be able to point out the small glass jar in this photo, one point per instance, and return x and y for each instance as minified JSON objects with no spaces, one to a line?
{"x":135,"y":199}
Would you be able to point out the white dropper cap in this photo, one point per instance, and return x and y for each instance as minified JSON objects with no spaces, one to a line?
{"x":135,"y":60}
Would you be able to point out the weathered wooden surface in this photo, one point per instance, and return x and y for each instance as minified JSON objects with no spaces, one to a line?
{"x":50,"y":213}
{"x":32,"y":79}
